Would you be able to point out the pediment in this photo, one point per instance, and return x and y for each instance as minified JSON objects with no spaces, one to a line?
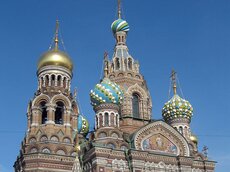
{"x":159,"y":137}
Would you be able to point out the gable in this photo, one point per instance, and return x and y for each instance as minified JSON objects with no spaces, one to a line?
{"x":160,"y":137}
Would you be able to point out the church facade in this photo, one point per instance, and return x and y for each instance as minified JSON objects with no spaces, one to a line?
{"x":125,"y":137}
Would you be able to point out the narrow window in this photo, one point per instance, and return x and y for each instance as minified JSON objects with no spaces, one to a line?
{"x":130,"y":63}
{"x":44,"y":112}
{"x":117,"y":64}
{"x":135,"y":105}
{"x":47,"y":80}
{"x":59,"y":113}
{"x":181,"y":129}
{"x":52,"y":80}
{"x":59,"y":80}
{"x":126,"y":63}
{"x":106,"y":119}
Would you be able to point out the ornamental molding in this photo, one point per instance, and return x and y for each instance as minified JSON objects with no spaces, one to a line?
{"x":118,"y":164}
{"x":37,"y":100}
{"x":137,"y":88}
{"x":106,"y":106}
{"x":62,"y":98}
{"x":55,"y":69}
{"x":165,"y":130}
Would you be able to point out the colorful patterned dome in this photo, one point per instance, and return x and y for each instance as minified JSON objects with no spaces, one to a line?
{"x":106,"y":92}
{"x":119,"y":25}
{"x":177,"y":107}
{"x":82,"y":125}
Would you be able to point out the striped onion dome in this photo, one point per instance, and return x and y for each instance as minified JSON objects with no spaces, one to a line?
{"x":119,"y":25}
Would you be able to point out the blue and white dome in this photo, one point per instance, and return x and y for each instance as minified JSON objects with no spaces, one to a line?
{"x":106,"y":92}
{"x":82,"y":125}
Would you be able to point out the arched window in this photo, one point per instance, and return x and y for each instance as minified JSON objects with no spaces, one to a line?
{"x":52,"y":80}
{"x":54,"y":139}
{"x":130,"y":63}
{"x":45,"y":150}
{"x":60,"y":152}
{"x":181,"y":129}
{"x":47,"y":80}
{"x":106,"y":119}
{"x":59,"y":80}
{"x":111,"y":145}
{"x":125,"y":61}
{"x":117,"y":64}
{"x":59,"y":113}
{"x":33,"y":150}
{"x":66,"y":140}
{"x":43,"y":139}
{"x":44,"y":112}
{"x":135,"y":105}
{"x":32,"y":140}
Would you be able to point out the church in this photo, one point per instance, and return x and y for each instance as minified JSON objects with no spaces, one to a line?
{"x":125,"y":137}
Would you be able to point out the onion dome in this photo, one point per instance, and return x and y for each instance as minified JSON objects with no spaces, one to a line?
{"x":55,"y":57}
{"x":177,"y":107}
{"x":194,"y":139}
{"x":82,"y":125}
{"x":119,"y":25}
{"x":106,"y":92}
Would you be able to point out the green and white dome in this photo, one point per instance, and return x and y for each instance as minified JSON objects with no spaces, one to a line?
{"x":120,"y":25}
{"x":177,"y":108}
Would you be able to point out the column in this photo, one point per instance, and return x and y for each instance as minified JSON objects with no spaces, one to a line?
{"x":40,"y":83}
{"x":118,"y":121}
{"x":67,"y":113}
{"x":98,"y":120}
{"x":55,"y":80}
{"x":49,"y":84}
{"x":103,"y":121}
{"x":50,"y":113}
{"x":44,"y":81}
{"x":109,"y":119}
{"x":62,"y":78}
{"x":115,"y":121}
{"x":35,"y":116}
{"x":66,"y":83}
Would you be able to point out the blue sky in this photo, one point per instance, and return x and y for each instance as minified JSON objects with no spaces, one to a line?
{"x":193,"y":37}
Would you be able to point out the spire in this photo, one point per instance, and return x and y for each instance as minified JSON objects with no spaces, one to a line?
{"x":119,"y":8}
{"x":173,"y":77}
{"x":56,"y":35}
{"x":106,"y":61}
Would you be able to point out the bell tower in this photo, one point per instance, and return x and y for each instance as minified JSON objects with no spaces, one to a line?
{"x":123,"y":69}
{"x":51,"y":116}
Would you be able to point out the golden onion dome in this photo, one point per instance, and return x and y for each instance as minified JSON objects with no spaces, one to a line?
{"x":194,"y":139}
{"x":57,"y":58}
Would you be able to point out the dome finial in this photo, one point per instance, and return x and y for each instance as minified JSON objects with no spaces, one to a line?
{"x":173,"y":77}
{"x":106,"y":65}
{"x":119,"y":8}
{"x":56,"y":35}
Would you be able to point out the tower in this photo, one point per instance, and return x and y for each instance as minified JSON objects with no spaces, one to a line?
{"x":51,"y":116}
{"x":178,"y":113}
{"x":123,"y":69}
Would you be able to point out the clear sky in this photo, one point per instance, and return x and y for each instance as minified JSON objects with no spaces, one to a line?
{"x":191,"y":36}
